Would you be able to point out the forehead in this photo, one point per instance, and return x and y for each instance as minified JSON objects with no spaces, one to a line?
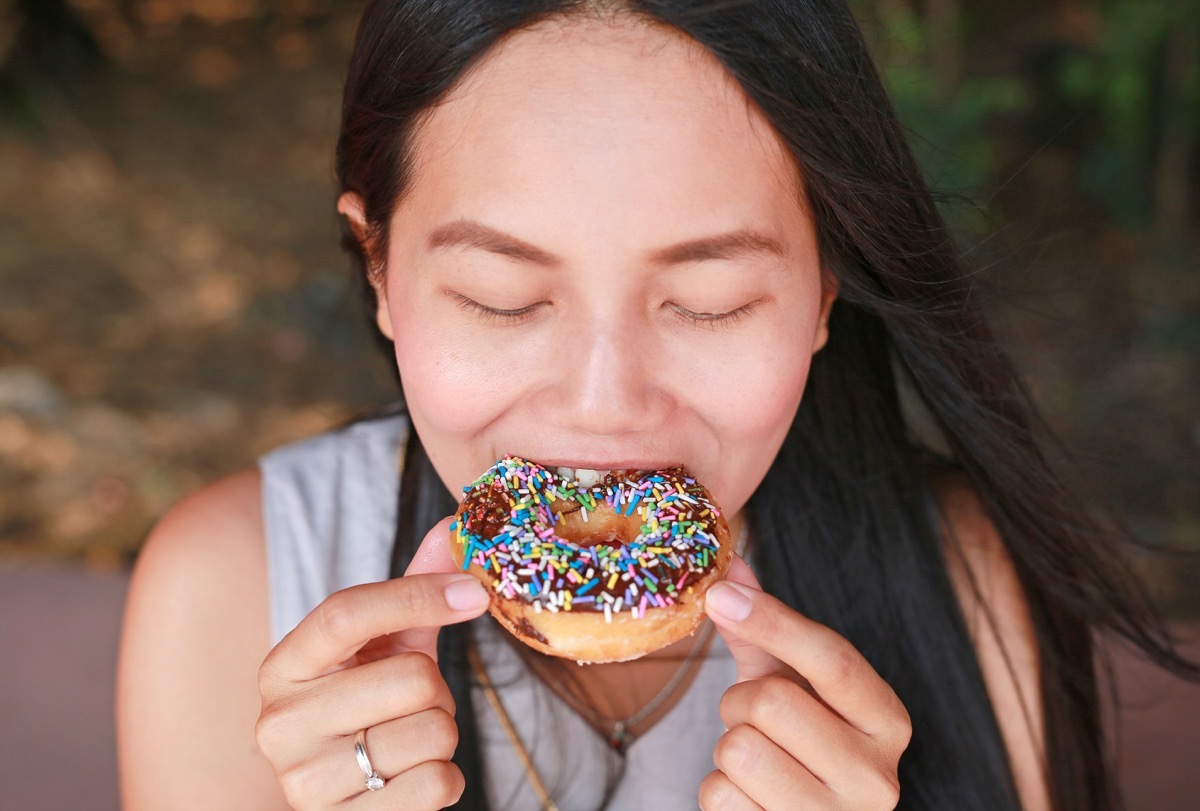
{"x":621,"y":122}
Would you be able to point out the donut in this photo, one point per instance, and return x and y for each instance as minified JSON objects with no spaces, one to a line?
{"x":595,"y":567}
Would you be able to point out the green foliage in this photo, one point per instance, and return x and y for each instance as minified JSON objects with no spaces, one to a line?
{"x":1122,"y":77}
{"x":949,"y":117}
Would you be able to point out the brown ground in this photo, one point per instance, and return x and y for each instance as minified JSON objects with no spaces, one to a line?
{"x":173,"y":299}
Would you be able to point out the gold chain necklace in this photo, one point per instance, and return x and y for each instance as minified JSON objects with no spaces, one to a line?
{"x":535,"y":780}
{"x":619,"y":737}
{"x":618,"y":734}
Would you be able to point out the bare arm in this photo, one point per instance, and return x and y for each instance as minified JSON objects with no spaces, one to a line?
{"x":195,"y":634}
{"x":998,"y":620}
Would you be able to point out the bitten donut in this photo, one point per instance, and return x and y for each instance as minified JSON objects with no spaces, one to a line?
{"x":592,"y":567}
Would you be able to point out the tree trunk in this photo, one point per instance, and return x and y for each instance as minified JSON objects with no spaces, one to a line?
{"x":1173,"y":165}
{"x":945,"y":48}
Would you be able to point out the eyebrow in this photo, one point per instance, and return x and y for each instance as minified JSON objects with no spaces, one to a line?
{"x":470,"y":234}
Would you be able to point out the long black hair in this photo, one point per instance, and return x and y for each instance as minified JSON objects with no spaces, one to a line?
{"x":845,"y":525}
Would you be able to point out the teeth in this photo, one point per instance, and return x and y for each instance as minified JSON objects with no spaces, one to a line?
{"x":585,"y":477}
{"x":588,"y":478}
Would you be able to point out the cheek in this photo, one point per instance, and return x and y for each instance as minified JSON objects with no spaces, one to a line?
{"x":752,"y":419}
{"x":452,"y":385}
{"x":752,"y":403}
{"x":761,"y":398}
{"x":757,"y":389}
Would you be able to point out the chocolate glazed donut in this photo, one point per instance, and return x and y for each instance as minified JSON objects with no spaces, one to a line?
{"x":596,"y":571}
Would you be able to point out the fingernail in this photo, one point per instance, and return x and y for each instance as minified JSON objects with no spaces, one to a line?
{"x":466,"y":594}
{"x":730,"y":601}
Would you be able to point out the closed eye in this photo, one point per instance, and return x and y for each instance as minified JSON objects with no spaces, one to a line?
{"x":494,"y":314}
{"x":713,"y":320}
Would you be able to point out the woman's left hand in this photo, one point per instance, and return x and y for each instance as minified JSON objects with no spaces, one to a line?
{"x":810,"y":724}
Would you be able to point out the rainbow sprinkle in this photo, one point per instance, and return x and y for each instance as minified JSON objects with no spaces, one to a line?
{"x":507,"y":528}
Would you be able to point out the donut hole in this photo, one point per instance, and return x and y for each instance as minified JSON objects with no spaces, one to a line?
{"x":603,"y":528}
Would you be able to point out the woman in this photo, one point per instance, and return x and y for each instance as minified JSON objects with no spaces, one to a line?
{"x":606,"y":235}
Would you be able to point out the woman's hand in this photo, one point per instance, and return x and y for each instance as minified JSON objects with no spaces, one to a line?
{"x":366,"y":658}
{"x":810,"y":724}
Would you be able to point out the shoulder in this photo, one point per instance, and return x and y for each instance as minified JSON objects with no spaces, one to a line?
{"x":1001,"y":628}
{"x":232,"y":505}
{"x":207,"y":547}
{"x":195,"y":633}
{"x":979,"y":562}
{"x":981,"y":569}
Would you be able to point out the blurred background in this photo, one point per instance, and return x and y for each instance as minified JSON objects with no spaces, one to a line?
{"x":173,"y":301}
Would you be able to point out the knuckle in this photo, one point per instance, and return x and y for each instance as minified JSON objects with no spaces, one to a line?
{"x":895,"y":729}
{"x":884,"y":790}
{"x":737,"y":702}
{"x":777,"y":698}
{"x":715,"y":792}
{"x":441,"y":734}
{"x":267,"y":679}
{"x":423,"y":668}
{"x":735,"y":750}
{"x":302,"y":784}
{"x":442,"y":783}
{"x":293,"y":793}
{"x":336,"y":616}
{"x":417,"y":680}
{"x":271,"y":730}
{"x":842,"y":662}
{"x":903,"y":730}
{"x":415,"y":596}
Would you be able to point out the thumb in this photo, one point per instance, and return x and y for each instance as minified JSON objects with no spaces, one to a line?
{"x":433,"y":555}
{"x":752,"y":661}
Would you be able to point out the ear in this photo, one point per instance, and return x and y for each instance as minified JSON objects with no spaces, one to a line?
{"x":350,"y":206}
{"x":828,"y":296}
{"x":383,"y":317}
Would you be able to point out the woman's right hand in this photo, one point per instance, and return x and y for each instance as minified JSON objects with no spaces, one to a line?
{"x":366,"y":658}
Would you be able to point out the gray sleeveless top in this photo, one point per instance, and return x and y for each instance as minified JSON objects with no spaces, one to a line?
{"x":329,"y":508}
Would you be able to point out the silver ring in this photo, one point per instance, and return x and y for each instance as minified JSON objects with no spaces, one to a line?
{"x":374,"y":781}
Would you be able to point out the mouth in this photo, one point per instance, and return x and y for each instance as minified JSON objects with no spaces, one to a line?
{"x":589,"y":477}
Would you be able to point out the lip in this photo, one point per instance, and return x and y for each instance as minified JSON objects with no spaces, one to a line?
{"x":626,"y":463}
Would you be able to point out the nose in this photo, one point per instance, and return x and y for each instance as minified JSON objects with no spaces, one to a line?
{"x":612,"y":382}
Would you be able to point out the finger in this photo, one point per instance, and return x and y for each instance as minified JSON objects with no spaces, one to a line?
{"x":363,"y":697}
{"x":800,"y":725}
{"x":332,"y":775}
{"x":838,"y":673}
{"x":718,"y":793}
{"x":752,"y":661}
{"x":433,"y":555}
{"x":393,"y":747}
{"x":430,"y":785}
{"x":766,"y":774}
{"x":335,"y":630}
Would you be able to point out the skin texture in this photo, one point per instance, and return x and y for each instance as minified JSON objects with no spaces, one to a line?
{"x":603,"y":151}
{"x":602,"y":147}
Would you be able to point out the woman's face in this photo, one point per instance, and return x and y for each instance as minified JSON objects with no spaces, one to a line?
{"x":602,"y":262}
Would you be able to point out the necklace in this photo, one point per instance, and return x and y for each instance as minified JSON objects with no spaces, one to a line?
{"x":618,"y":737}
{"x":618,"y":733}
{"x":535,"y":779}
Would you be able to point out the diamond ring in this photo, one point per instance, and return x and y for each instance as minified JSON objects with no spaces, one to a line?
{"x":374,"y":782}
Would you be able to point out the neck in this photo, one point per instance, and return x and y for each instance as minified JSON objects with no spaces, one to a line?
{"x":624,"y":699}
